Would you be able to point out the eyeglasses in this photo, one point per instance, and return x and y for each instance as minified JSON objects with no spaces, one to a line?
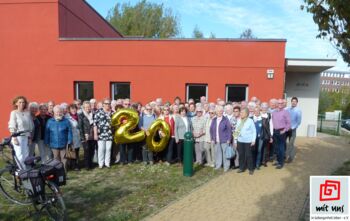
{"x":107,"y":103}
{"x":211,"y":112}
{"x":149,"y":109}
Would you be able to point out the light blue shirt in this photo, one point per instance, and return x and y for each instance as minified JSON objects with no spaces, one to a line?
{"x":248,"y":131}
{"x":295,"y":117}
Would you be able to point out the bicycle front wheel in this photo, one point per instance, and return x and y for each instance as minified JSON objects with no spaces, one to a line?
{"x":53,"y":202}
{"x":10,"y":191}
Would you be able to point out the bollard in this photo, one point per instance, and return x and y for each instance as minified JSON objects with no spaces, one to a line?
{"x":188,"y":155}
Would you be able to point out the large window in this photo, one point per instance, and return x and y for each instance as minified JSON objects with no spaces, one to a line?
{"x":196,"y":91}
{"x":236,"y":93}
{"x":120,"y":90}
{"x":83,"y":90}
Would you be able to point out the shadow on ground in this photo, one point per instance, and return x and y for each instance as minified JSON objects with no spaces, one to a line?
{"x":331,"y":152}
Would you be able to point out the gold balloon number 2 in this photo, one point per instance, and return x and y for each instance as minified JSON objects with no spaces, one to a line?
{"x":125,"y":120}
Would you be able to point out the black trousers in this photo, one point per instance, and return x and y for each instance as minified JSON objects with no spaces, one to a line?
{"x":89,"y":151}
{"x":245,"y":156}
{"x":180,"y":147}
{"x":170,"y":150}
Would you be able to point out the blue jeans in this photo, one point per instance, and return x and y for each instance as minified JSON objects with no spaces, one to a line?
{"x":259,"y":151}
{"x":220,"y":156}
{"x":280,"y":144}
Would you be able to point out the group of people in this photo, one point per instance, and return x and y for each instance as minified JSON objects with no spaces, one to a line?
{"x":258,"y":132}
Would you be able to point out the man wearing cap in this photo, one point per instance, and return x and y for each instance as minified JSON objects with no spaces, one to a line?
{"x":198,"y":123}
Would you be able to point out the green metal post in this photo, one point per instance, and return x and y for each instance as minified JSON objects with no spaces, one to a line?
{"x":321,"y":122}
{"x":188,"y":155}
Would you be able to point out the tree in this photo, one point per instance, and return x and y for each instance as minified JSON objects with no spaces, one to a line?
{"x":144,"y":19}
{"x":247,"y":34}
{"x":212,"y":35}
{"x":330,"y":101}
{"x":333,"y":20}
{"x":197,"y":33}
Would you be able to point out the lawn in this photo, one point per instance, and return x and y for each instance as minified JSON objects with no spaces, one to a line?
{"x":129,"y":192}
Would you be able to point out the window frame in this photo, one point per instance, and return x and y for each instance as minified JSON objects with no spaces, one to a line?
{"x":111,"y":88}
{"x":76,"y":89}
{"x":196,"y":84}
{"x":246,"y":86}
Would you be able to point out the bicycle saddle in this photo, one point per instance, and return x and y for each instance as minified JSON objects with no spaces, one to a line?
{"x":30,"y":161}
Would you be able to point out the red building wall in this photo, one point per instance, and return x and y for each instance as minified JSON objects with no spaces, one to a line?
{"x":39,"y":65}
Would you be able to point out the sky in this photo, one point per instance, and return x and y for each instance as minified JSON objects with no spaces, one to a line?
{"x":229,"y":18}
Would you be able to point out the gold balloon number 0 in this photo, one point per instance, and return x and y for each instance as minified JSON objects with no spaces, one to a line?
{"x":123,"y":129}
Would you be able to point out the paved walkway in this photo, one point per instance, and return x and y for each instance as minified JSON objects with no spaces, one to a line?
{"x":269,"y":194}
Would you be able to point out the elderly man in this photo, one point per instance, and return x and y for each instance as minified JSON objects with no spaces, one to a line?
{"x":159,"y":102}
{"x":273,"y":105}
{"x":281,"y":124}
{"x":295,"y":116}
{"x":93,"y":104}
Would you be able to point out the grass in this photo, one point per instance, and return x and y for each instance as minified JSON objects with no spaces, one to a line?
{"x":129,"y":192}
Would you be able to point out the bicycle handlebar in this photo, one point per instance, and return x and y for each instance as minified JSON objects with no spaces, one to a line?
{"x":7,"y":140}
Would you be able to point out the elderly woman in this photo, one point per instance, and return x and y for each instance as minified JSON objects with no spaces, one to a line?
{"x":43,"y":117}
{"x":209,"y":147}
{"x":33,"y":109}
{"x":182,"y":125}
{"x":74,"y":121}
{"x":259,"y":141}
{"x":86,"y":125}
{"x":221,"y":136}
{"x":58,"y":134}
{"x":198,"y":123}
{"x":169,"y":119}
{"x":267,"y":132}
{"x":146,"y":120}
{"x":103,"y":133}
{"x":20,"y":120}
{"x":246,"y":135}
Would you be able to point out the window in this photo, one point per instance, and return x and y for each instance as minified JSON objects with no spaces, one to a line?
{"x":236,"y":93}
{"x":83,"y":90}
{"x":120,"y":90}
{"x":196,"y":91}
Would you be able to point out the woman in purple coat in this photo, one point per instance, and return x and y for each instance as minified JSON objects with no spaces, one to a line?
{"x":221,"y":135}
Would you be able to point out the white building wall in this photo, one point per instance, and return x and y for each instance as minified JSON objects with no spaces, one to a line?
{"x":304,"y":86}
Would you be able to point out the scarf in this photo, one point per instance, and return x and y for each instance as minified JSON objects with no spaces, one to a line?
{"x":257,"y":118}
{"x":239,"y":128}
{"x":74,"y":116}
{"x":89,"y":117}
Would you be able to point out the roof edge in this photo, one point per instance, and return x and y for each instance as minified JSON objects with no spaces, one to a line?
{"x":173,"y":39}
{"x":98,"y":14}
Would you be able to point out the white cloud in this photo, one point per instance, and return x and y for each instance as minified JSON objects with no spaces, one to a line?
{"x":267,"y":19}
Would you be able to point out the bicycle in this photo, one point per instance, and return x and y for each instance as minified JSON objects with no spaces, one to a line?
{"x":37,"y":184}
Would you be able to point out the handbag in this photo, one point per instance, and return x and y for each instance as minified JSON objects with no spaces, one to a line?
{"x":70,"y":153}
{"x":229,"y":152}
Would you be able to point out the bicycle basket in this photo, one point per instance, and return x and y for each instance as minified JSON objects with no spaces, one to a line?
{"x":32,"y":181}
{"x":55,"y":169}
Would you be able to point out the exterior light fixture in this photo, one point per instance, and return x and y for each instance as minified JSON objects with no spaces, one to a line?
{"x":270,"y":73}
